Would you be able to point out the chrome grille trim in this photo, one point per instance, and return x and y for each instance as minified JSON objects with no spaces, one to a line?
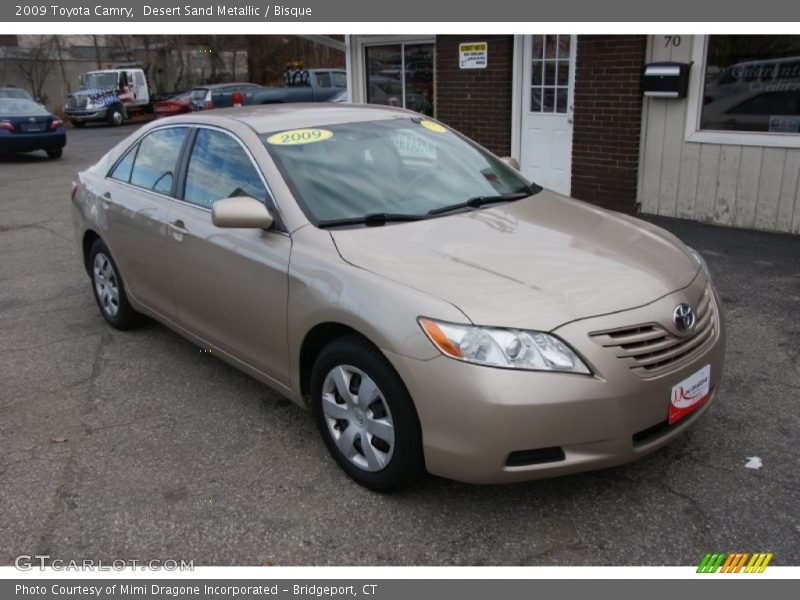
{"x":650,"y":350}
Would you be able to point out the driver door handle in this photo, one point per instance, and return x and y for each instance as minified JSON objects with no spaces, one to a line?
{"x":106,"y":197}
{"x":178,"y":226}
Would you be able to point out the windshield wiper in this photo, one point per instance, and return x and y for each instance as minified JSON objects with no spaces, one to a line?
{"x":479,"y":201}
{"x":371,"y":220}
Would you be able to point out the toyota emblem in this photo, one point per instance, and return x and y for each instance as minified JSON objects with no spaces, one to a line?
{"x":683,"y":316}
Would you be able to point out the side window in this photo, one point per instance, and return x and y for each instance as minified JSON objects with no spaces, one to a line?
{"x":220,"y":168}
{"x":324,"y":80}
{"x":339,"y":79}
{"x":157,"y":160}
{"x":122,"y":172}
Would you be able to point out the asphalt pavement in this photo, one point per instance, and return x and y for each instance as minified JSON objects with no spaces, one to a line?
{"x":136,"y":445}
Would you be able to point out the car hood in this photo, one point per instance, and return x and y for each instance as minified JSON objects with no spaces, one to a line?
{"x":536,"y":263}
{"x":94,"y":94}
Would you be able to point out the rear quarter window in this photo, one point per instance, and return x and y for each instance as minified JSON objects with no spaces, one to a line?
{"x":122,"y":170}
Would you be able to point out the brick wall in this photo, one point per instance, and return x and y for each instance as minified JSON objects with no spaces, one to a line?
{"x":476,"y":102}
{"x":608,"y":119}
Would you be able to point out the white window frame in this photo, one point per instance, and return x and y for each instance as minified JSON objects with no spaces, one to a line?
{"x":694,"y":108}
{"x":360,"y":81}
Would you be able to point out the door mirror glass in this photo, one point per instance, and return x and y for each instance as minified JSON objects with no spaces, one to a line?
{"x":511,"y":162}
{"x":241,"y":212}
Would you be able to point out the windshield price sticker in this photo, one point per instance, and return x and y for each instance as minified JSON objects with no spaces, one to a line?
{"x":433,"y":126}
{"x":295,"y":137}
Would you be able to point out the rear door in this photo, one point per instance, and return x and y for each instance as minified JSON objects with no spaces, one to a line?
{"x":136,"y":202}
{"x":231,"y":285}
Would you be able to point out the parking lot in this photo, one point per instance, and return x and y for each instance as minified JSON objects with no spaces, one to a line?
{"x":135,"y":445}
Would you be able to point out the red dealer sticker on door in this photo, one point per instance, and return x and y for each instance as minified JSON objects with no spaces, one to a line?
{"x":690,"y":394}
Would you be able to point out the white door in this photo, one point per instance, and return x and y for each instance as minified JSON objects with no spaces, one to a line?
{"x":547,"y":98}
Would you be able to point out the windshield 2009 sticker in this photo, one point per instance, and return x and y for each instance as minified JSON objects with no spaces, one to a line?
{"x":433,"y":126}
{"x":293,"y":137}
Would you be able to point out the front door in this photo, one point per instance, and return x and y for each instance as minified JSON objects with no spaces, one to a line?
{"x":231,"y":286}
{"x":547,"y":99}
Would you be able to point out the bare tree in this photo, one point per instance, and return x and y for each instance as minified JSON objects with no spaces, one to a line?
{"x":96,"y":51}
{"x":37,"y":63}
{"x":121,"y":43}
{"x":60,"y":57}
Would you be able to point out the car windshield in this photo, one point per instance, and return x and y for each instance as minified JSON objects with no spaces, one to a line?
{"x":198,"y":93}
{"x":91,"y":81}
{"x":184,"y":97}
{"x":400,"y":167}
{"x":16,"y":107}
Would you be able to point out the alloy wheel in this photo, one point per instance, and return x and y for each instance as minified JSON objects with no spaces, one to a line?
{"x":105,"y":284}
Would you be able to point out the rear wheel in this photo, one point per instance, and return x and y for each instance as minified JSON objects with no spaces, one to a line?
{"x":115,"y":115}
{"x":109,"y":291}
{"x":55,"y":153}
{"x":366,"y":416}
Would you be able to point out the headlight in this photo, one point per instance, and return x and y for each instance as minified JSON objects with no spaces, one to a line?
{"x":508,"y":348}
{"x":700,"y":261}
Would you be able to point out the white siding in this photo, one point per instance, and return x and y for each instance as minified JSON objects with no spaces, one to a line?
{"x":741,"y":186}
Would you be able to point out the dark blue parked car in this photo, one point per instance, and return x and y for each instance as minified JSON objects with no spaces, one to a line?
{"x":25,"y":127}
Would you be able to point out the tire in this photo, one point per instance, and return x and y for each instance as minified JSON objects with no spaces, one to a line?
{"x":78,"y":124}
{"x":384,"y":450}
{"x":108,"y":288}
{"x":116,"y":115}
{"x":55,"y":153}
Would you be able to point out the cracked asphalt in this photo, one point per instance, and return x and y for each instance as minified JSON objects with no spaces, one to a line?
{"x":171,"y":454}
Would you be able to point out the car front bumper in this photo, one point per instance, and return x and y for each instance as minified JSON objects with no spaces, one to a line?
{"x":86,"y":115}
{"x":473,"y":417}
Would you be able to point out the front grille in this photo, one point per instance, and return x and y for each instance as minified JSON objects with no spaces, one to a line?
{"x":650,"y":350}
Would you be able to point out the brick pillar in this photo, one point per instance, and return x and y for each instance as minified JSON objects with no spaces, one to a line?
{"x":476,"y":102}
{"x":608,"y":119}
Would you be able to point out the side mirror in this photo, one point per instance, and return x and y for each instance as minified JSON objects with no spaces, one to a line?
{"x":241,"y":212}
{"x":511,"y":162}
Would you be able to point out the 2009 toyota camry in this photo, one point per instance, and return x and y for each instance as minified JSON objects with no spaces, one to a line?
{"x":435,"y":309}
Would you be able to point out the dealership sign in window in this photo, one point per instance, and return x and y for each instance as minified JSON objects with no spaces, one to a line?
{"x":752,"y":83}
{"x":473,"y":55}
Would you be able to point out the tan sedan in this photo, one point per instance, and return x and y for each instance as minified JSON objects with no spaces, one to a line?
{"x":435,"y":310}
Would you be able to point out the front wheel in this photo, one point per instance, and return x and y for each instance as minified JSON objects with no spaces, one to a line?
{"x":366,"y":416}
{"x":109,"y":291}
{"x":115,"y":116}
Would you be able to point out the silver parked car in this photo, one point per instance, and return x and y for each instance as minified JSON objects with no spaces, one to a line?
{"x":436,"y":310}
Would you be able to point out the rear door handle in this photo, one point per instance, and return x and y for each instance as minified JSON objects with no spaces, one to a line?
{"x":179,"y":227}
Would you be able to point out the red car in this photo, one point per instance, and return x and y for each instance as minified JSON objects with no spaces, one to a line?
{"x":177,"y":105}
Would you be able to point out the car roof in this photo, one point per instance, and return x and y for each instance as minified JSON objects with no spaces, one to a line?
{"x":275,"y":117}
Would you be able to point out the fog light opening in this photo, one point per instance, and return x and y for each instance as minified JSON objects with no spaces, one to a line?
{"x":525,"y":458}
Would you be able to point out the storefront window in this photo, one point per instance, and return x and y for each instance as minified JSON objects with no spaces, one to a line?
{"x":752,"y":83}
{"x":400,"y":75}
